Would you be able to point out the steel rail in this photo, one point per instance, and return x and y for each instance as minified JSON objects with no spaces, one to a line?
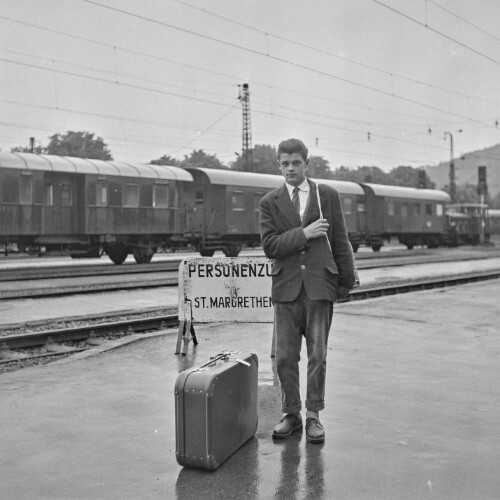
{"x":84,"y":332}
{"x":84,"y":289}
{"x":69,"y":271}
{"x":373,"y":262}
{"x":418,"y":285}
{"x":163,"y":321}
{"x":364,"y":260}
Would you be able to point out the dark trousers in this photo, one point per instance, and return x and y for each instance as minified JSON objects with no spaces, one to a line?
{"x":311,"y":319}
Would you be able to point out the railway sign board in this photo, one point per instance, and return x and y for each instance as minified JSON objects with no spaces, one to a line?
{"x":220,"y":289}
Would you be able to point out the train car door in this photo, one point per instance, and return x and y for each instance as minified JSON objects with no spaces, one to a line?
{"x":257,"y":196}
{"x":60,"y":202}
{"x":237,"y":211}
{"x":361,"y":214}
{"x":200,"y":199}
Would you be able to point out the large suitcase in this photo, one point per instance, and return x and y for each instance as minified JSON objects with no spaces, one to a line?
{"x":215,"y":409}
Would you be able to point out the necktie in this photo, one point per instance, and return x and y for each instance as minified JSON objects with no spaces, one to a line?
{"x":295,"y":199}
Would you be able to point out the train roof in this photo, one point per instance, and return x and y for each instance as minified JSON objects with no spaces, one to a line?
{"x":243,"y":179}
{"x":70,"y":164}
{"x":468,"y":205}
{"x":252,"y":179}
{"x":343,"y":187}
{"x":408,"y":192}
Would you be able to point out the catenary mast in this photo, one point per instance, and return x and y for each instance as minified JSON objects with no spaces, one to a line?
{"x":246,"y":151}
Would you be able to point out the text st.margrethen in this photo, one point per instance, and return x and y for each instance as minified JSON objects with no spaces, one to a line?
{"x":232,"y":302}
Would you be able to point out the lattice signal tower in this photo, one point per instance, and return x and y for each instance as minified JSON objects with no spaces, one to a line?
{"x":244,"y":97}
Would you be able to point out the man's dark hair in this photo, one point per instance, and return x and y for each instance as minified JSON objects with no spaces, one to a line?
{"x":291,"y":146}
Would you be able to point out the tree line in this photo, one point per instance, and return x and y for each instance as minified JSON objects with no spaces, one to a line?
{"x":261,"y":159}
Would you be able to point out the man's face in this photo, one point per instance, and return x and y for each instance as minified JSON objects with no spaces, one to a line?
{"x":293,"y":167}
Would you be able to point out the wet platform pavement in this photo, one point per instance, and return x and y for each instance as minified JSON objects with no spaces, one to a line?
{"x":412,"y":411}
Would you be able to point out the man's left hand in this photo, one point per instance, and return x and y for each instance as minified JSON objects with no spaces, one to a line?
{"x":343,"y":292}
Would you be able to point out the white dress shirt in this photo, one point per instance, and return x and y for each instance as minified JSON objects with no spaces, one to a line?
{"x":304,"y":189}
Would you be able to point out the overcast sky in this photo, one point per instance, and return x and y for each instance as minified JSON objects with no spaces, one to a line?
{"x":362,"y":82}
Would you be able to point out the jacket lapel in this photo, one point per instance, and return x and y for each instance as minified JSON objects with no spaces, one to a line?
{"x":285,"y":206}
{"x":312,"y":210}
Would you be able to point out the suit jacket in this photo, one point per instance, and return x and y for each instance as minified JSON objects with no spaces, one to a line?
{"x":297,"y":261}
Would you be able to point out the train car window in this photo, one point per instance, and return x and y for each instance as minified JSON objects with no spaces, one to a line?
{"x":101,"y":191}
{"x":174,"y":197}
{"x":91,"y":193}
{"x":10,"y":188}
{"x":428,"y":208}
{"x":361,"y":207}
{"x":238,"y":201}
{"x":130,"y":195}
{"x":26,"y":190}
{"x":404,"y":209}
{"x":416,"y":209}
{"x":390,"y":208}
{"x":199,"y":197}
{"x":256,"y":201}
{"x":48,"y":193}
{"x":347,"y":205}
{"x":160,"y":195}
{"x":66,"y":193}
{"x":146,"y":195}
{"x":38,"y":198}
{"x":115,"y":194}
{"x":439,"y":209}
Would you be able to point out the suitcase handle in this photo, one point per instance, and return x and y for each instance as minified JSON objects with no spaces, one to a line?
{"x":224,"y":355}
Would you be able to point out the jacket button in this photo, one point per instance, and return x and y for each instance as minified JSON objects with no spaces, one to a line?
{"x":303,"y":252}
{"x":302,"y":266}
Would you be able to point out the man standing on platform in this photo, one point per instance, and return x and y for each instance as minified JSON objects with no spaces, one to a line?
{"x":313,"y":266}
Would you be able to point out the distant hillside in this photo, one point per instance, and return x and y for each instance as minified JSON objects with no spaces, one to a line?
{"x":466,"y":169}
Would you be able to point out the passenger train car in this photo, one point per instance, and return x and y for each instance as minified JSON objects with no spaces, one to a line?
{"x":88,"y":207}
{"x":414,"y":216}
{"x":225,"y":215}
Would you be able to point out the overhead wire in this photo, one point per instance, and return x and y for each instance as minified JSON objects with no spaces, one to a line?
{"x":114,"y":73}
{"x":281,"y":89}
{"x":198,"y":68}
{"x":101,"y":115}
{"x":280,"y":59}
{"x":466,"y":21}
{"x":331,"y":54}
{"x":184,"y":87}
{"x":206,"y":129}
{"x":436,"y":31}
{"x":114,"y":82}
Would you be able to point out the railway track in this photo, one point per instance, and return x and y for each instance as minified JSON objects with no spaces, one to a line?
{"x":17,"y":349}
{"x":43,"y":282}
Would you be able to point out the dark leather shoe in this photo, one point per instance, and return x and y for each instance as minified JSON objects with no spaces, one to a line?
{"x":288,"y":424}
{"x":315,"y":432}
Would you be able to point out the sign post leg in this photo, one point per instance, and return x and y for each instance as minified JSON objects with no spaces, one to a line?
{"x":186,"y":331}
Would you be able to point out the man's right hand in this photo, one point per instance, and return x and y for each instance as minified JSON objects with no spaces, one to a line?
{"x":316,"y":229}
